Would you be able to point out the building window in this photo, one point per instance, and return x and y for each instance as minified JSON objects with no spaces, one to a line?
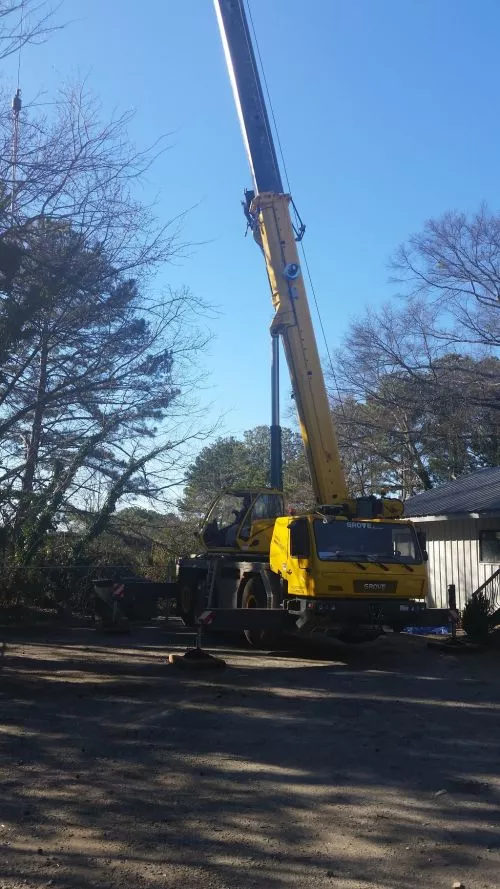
{"x":489,"y":546}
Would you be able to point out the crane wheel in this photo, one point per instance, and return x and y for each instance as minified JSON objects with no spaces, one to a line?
{"x":187,"y":603}
{"x":254,"y":596}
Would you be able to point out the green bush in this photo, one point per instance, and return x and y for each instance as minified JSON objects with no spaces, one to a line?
{"x":475,"y":619}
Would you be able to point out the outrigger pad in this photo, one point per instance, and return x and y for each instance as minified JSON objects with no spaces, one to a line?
{"x":196,"y":659}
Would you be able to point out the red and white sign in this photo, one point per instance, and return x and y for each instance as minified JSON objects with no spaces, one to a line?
{"x":118,"y":591}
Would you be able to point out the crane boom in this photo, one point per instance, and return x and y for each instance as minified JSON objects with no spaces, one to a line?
{"x":269,"y":214}
{"x":248,"y":95}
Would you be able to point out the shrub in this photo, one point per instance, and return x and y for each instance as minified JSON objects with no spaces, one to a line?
{"x":475,"y":620}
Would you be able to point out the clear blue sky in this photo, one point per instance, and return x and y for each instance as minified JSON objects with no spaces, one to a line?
{"x":388,"y":112}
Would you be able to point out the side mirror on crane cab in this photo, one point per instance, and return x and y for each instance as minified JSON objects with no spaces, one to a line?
{"x":300,"y":547}
{"x":422,"y":541}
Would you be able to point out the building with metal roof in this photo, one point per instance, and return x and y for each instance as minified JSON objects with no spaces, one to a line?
{"x":461,"y":523}
{"x":474,"y":494}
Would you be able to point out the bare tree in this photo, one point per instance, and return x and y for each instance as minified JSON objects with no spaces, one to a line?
{"x":454,"y":263}
{"x":23,"y":22}
{"x":414,"y":408}
{"x":420,"y":379}
{"x":75,"y":169}
{"x":98,"y":373}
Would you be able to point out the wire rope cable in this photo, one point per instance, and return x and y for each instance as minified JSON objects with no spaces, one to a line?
{"x":303,"y":250}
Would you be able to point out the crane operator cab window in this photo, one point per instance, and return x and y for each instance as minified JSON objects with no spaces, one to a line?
{"x":225,"y":518}
{"x":232,"y":516}
{"x":266,"y":506}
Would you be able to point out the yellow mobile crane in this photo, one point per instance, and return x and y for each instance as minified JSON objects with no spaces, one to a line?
{"x":350,"y":566}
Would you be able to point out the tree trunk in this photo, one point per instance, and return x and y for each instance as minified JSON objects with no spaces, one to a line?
{"x":37,"y":424}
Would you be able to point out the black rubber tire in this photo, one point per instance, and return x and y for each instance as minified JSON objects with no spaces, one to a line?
{"x":186,"y":602}
{"x":254,"y":596}
{"x":192,"y":600}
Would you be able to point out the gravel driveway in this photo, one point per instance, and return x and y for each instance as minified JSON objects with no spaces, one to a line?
{"x":350,"y":769}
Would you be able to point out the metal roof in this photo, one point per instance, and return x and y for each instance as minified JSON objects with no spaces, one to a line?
{"x":477,"y":492}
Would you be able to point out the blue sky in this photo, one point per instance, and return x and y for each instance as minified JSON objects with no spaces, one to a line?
{"x":388,"y":114}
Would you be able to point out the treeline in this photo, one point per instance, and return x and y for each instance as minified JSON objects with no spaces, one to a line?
{"x":98,"y":366}
{"x":419,"y":378}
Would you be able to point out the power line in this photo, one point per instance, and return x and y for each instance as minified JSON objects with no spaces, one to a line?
{"x":330,"y":361}
{"x":21,"y":36}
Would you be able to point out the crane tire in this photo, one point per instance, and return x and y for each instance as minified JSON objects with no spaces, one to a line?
{"x":254,"y":596}
{"x":186,"y":600}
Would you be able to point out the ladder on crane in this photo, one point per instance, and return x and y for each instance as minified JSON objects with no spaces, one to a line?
{"x":210,"y":581}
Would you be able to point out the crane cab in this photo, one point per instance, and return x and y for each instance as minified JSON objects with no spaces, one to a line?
{"x":338,"y":557}
{"x":242,"y":520}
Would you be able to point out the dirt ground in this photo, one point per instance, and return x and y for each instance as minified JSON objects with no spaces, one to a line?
{"x":373,"y":769}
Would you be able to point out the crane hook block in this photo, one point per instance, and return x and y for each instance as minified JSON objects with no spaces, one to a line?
{"x":292,"y":271}
{"x":16,"y":102}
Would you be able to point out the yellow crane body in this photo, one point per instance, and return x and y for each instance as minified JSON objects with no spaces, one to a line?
{"x":292,"y":321}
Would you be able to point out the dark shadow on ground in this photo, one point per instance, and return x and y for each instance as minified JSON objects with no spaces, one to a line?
{"x":356,"y":769}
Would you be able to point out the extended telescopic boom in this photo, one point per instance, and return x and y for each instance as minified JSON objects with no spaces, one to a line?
{"x":269,"y":214}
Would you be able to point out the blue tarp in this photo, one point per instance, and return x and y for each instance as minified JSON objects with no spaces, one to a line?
{"x":428,"y":631}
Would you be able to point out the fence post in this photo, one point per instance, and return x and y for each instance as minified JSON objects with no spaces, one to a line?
{"x":452,"y":605}
{"x":452,"y":597}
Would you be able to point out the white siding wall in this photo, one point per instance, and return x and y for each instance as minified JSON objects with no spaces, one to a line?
{"x":453,"y":547}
